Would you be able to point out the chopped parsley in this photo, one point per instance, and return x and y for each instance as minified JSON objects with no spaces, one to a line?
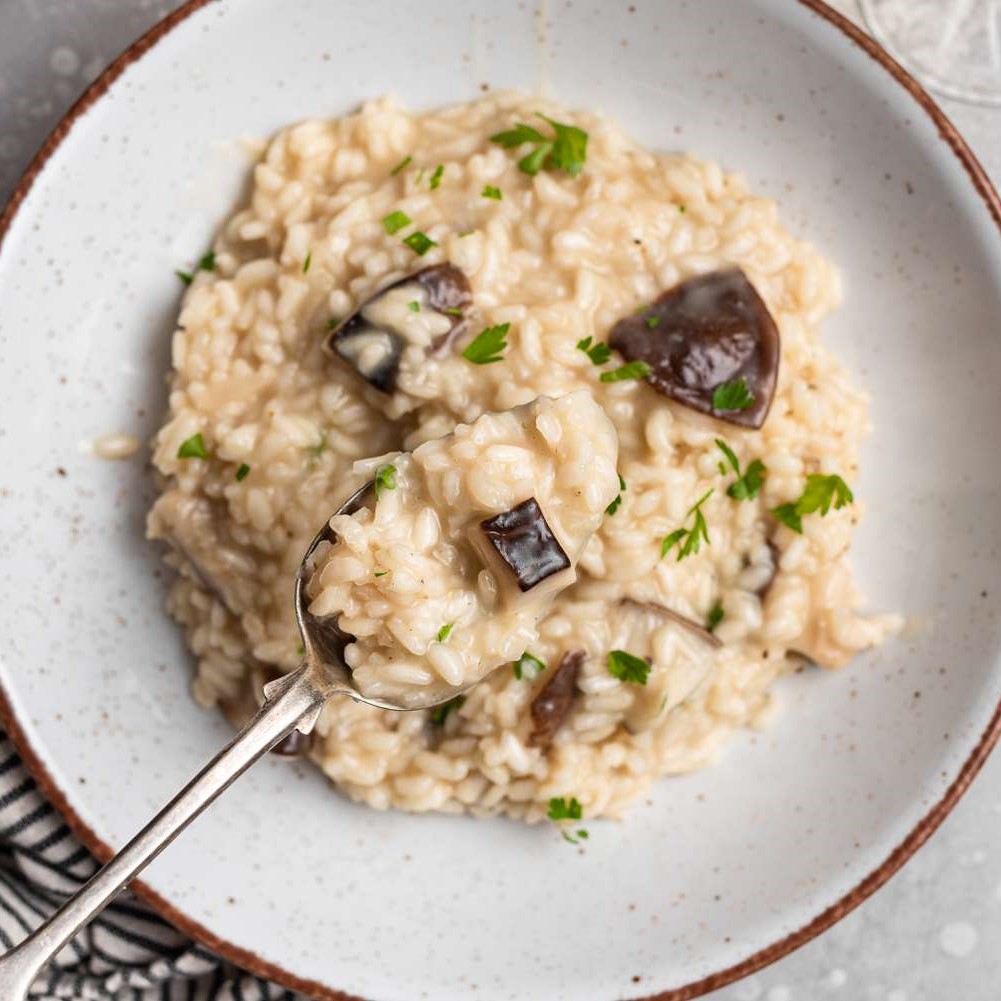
{"x":631,"y":370}
{"x":436,"y":176}
{"x":598,"y":352}
{"x":315,"y":451}
{"x":681,"y":208}
{"x":688,"y":540}
{"x":748,"y":485}
{"x":420,"y":243}
{"x":820,"y":494}
{"x":441,"y":713}
{"x":385,"y":479}
{"x":488,"y":345}
{"x":561,"y":809}
{"x":193,"y":448}
{"x":627,"y":667}
{"x":243,"y":472}
{"x":565,"y":150}
{"x":414,"y":306}
{"x":445,"y":632}
{"x":528,"y":667}
{"x":715,"y":616}
{"x":489,"y":191}
{"x":581,"y":835}
{"x":617,"y":503}
{"x":465,"y":233}
{"x":653,"y":321}
{"x":331,"y":323}
{"x":452,"y":311}
{"x":395,"y":221}
{"x":402,"y":165}
{"x":301,"y":650}
{"x":306,"y":263}
{"x":380,"y":573}
{"x":733,"y":396}
{"x":207,"y":263}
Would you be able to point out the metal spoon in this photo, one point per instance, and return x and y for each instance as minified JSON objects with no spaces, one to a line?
{"x":292,"y":702}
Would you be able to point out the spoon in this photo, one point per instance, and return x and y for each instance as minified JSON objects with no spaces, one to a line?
{"x":292,"y":702}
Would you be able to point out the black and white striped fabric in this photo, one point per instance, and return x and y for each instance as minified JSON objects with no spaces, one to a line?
{"x":128,"y":952}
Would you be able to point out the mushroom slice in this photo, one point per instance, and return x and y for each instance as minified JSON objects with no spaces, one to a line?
{"x":525,"y":542}
{"x":421,"y":312}
{"x":681,"y":652}
{"x":552,"y":705}
{"x":701,"y":335}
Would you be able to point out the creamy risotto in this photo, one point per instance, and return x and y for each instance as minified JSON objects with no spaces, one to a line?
{"x":395,"y":287}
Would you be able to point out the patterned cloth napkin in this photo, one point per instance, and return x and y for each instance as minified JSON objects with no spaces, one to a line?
{"x":126,"y":953}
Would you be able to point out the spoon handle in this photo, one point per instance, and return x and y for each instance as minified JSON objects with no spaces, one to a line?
{"x":290,"y":701}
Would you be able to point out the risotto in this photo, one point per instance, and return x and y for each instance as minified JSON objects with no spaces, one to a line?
{"x":521,"y":325}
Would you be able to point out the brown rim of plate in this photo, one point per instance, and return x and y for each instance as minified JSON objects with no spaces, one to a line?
{"x":763,"y":957}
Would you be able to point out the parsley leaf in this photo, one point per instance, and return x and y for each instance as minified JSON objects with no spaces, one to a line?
{"x":395,"y":221}
{"x":380,"y":573}
{"x":570,"y":148}
{"x":567,"y":150}
{"x":207,"y":263}
{"x":243,"y":472}
{"x":689,"y":540}
{"x":420,"y":243}
{"x":715,"y":616}
{"x":445,"y":632}
{"x":521,"y":133}
{"x":560,"y":809}
{"x":598,"y":352}
{"x":402,"y":165}
{"x":732,"y":396}
{"x":628,"y":668}
{"x":488,"y":345}
{"x":533,"y":162}
{"x":385,"y":479}
{"x":528,"y":667}
{"x":306,"y":263}
{"x":452,"y":311}
{"x":653,"y":321}
{"x":821,"y":493}
{"x":617,"y":503}
{"x":414,"y":306}
{"x":441,"y":713}
{"x":436,"y":176}
{"x":631,"y":370}
{"x":489,"y":191}
{"x":747,"y":486}
{"x":193,"y":448}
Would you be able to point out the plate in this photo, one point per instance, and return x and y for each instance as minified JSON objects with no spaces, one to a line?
{"x":719,"y":872}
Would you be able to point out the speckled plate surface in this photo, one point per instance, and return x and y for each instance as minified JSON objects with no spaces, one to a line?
{"x":719,"y":872}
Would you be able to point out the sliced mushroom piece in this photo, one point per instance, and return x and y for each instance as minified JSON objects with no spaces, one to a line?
{"x":708,"y":331}
{"x":552,"y":705}
{"x":423,"y":311}
{"x":761,"y":570}
{"x":682,"y":665}
{"x":525,"y":542}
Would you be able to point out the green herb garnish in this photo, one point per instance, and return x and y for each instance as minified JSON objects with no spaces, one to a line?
{"x":489,"y":191}
{"x":315,"y":451}
{"x":628,"y":668}
{"x":193,"y":448}
{"x":598,"y":352}
{"x":528,"y":667}
{"x":688,"y":540}
{"x":631,"y":370}
{"x":243,"y":472}
{"x":560,"y":809}
{"x":436,"y":176}
{"x":380,"y":573}
{"x":819,"y":494}
{"x":402,"y":165}
{"x":715,"y":616}
{"x":748,"y":485}
{"x":306,"y":263}
{"x":653,"y":321}
{"x":732,"y":396}
{"x":420,"y":243}
{"x":581,"y":835}
{"x":445,"y":632}
{"x":488,"y":345}
{"x":566,"y":150}
{"x":441,"y":713}
{"x":385,"y":479}
{"x":207,"y":263}
{"x":453,"y":311}
{"x":414,"y":306}
{"x":617,"y":503}
{"x":395,"y":221}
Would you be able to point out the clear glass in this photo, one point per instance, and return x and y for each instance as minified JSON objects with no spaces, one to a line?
{"x":952,"y":46}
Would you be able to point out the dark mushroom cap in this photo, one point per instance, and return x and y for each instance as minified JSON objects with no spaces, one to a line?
{"x":552,"y":705}
{"x":700,"y":335}
{"x":448,"y":293}
{"x":525,"y":542}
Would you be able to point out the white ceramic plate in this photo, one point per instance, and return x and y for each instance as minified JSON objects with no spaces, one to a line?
{"x":717,"y":873}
